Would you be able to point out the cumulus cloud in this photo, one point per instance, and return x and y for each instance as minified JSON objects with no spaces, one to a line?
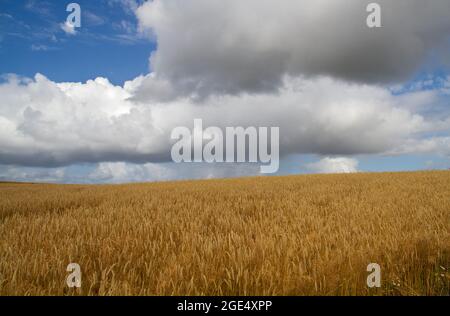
{"x":123,"y":172}
{"x":334,"y":165}
{"x":26,"y":174}
{"x":432,"y":145}
{"x":68,"y":28}
{"x":120,"y":172}
{"x":215,"y":47}
{"x":50,"y":124}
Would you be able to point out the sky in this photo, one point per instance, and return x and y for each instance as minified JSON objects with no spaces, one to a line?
{"x":97,"y":103}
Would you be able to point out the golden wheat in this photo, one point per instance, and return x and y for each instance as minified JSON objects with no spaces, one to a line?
{"x":297,"y":235}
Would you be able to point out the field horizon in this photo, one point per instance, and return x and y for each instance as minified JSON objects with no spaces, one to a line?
{"x":277,"y":235}
{"x":228,"y":178}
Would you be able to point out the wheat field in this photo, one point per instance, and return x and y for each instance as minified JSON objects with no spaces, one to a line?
{"x":295,"y":235}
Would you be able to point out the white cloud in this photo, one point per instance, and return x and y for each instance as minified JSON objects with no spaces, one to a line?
{"x":44,"y":123}
{"x":121,"y":172}
{"x":68,"y":28}
{"x":439,"y":145}
{"x":334,"y":165}
{"x":52,"y":175}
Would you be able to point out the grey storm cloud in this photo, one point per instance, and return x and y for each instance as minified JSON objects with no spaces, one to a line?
{"x":216,"y":46}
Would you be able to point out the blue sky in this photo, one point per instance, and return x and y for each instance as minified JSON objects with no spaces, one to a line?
{"x":107,"y":44}
{"x":116,"y":41}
